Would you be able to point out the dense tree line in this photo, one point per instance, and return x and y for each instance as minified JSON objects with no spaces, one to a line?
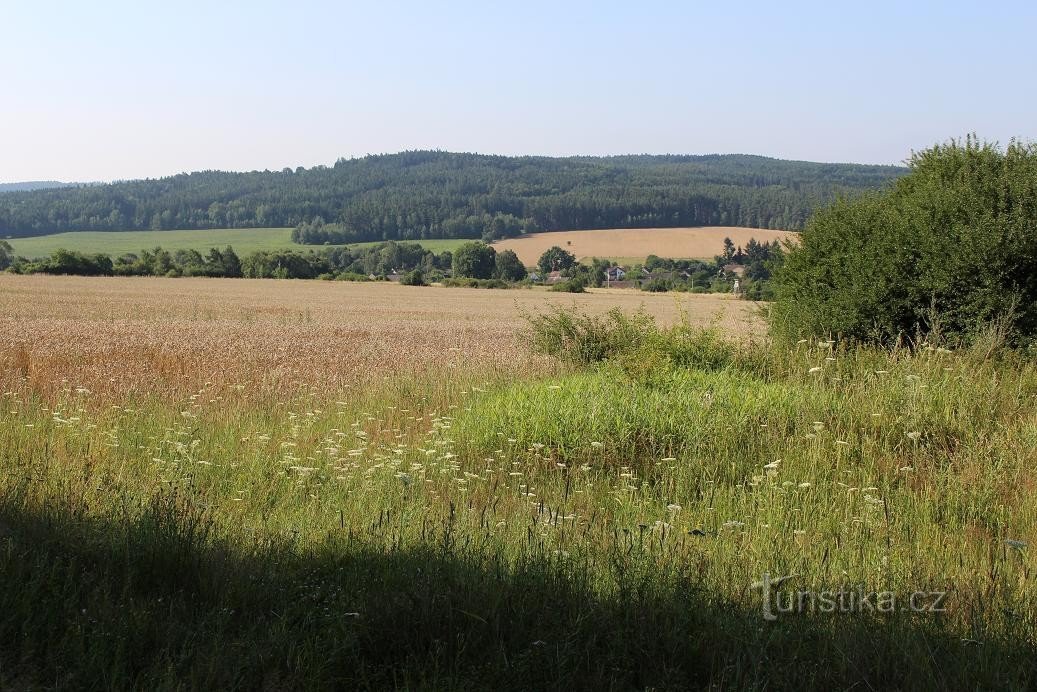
{"x":430,"y":194}
{"x":352,"y":263}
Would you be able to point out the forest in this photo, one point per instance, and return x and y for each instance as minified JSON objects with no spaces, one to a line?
{"x":432,"y":194}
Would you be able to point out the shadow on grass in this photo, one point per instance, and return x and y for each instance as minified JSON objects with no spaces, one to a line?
{"x":154,"y":601}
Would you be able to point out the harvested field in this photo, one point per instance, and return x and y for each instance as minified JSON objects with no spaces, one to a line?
{"x":638,"y":243}
{"x":175,"y":335}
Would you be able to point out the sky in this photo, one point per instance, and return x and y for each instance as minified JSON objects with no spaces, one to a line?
{"x":116,"y":90}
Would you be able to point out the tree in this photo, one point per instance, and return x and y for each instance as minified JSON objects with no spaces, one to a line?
{"x":474,"y":260}
{"x":949,"y":248}
{"x":231,"y":263}
{"x":6,"y":255}
{"x":555,"y":259}
{"x":729,"y":250}
{"x":509,"y":266}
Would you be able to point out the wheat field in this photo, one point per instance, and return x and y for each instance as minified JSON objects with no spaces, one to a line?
{"x":637,"y":243}
{"x":173,"y":335}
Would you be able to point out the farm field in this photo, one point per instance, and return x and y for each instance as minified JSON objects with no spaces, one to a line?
{"x":637,"y":243}
{"x":114,"y":243}
{"x":218,"y":483}
{"x":626,"y":245}
{"x":138,"y":333}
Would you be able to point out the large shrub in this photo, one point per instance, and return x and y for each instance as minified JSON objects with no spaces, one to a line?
{"x":950,"y":248}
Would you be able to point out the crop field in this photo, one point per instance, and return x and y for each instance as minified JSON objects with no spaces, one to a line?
{"x":626,"y":245}
{"x":217,"y":483}
{"x":115,"y":243}
{"x":637,"y":243}
{"x":174,"y":335}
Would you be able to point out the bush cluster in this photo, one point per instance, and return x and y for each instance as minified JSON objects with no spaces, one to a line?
{"x":948,"y":250}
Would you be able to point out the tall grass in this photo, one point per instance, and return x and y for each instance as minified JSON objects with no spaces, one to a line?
{"x":602,"y":528}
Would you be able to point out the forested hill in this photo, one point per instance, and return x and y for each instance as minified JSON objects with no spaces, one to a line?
{"x":32,"y":185}
{"x":430,"y":194}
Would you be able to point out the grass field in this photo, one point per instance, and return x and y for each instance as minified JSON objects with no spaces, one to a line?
{"x":298,"y":485}
{"x":243,"y":240}
{"x":636,"y":244}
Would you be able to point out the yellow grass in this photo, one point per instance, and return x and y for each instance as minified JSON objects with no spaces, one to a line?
{"x":638,"y":243}
{"x":171,"y":336}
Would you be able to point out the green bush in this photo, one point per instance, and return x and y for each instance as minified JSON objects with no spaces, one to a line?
{"x":573,"y":285}
{"x":658,"y":286}
{"x":583,"y":339}
{"x":414,"y":278}
{"x":950,"y":249}
{"x":351,"y":276}
{"x":474,"y":283}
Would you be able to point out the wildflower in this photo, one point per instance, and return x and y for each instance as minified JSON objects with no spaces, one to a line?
{"x":914,"y":436}
{"x":733,"y":524}
{"x":804,"y":485}
{"x":596,"y":445}
{"x":673,"y":507}
{"x":773,"y":465}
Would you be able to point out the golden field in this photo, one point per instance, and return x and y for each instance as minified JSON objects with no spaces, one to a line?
{"x":638,"y":243}
{"x":141,"y":335}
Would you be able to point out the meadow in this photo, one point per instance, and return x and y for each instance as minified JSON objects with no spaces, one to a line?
{"x":115,"y":243}
{"x":285,"y":484}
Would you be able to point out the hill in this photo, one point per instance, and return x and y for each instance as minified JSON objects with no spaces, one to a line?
{"x":431,"y":194}
{"x":28,"y":186}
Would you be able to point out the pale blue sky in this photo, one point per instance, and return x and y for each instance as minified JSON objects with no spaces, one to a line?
{"x":121,"y":89}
